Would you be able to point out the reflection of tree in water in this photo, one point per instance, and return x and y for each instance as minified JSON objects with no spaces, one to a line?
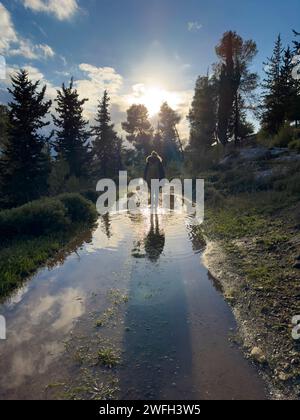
{"x":106,"y":225}
{"x":155,"y":240}
{"x":196,"y":237}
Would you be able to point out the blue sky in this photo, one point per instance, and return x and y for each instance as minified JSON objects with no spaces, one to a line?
{"x":141,"y":50}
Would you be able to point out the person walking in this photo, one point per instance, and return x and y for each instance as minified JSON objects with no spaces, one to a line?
{"x":154,"y":171}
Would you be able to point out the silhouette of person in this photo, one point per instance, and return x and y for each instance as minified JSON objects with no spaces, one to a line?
{"x":155,"y":240}
{"x":154,"y":171}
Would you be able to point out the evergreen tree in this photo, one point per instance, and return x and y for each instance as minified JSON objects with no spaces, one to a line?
{"x":274,"y":112}
{"x":72,"y":134}
{"x":158,"y":141}
{"x":106,"y":146}
{"x":295,"y":112}
{"x":25,"y":158}
{"x":138,"y":128}
{"x":290,"y":88}
{"x":4,"y":123}
{"x":202,"y":116}
{"x":236,"y":84}
{"x":297,"y":42}
{"x":168,"y":119}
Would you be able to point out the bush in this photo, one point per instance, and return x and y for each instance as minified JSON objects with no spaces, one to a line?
{"x":284,"y":136}
{"x":295,"y":145}
{"x":90,"y":195}
{"x":36,"y":218}
{"x":213,"y":196}
{"x":46,"y":216}
{"x":79,"y":209}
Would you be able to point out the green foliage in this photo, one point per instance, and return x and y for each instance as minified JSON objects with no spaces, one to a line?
{"x":36,"y":218}
{"x":295,"y":145}
{"x":72,"y":133}
{"x":107,"y":145}
{"x":171,"y":146}
{"x":45,"y":216}
{"x":138,"y":128}
{"x":108,"y":357}
{"x":23,"y":257}
{"x":25,"y":157}
{"x":4,"y":124}
{"x":79,"y":209}
{"x":281,"y":97}
{"x":235,"y":82}
{"x":284,"y":136}
{"x":58,"y":176}
{"x":203,"y":115}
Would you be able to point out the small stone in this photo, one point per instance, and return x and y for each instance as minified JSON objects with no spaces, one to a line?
{"x":284,"y":377}
{"x":258,"y":355}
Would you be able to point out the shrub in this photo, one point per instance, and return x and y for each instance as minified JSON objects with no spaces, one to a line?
{"x":46,"y":216}
{"x":36,"y":218}
{"x":90,"y":195}
{"x":284,"y":136}
{"x":79,"y":209}
{"x":295,"y":145}
{"x":213,"y":196}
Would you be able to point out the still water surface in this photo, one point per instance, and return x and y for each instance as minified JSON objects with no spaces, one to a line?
{"x":143,"y":278}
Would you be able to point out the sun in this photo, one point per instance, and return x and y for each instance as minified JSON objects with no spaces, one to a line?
{"x":153,"y":97}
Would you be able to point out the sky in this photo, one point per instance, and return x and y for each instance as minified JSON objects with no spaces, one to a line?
{"x":142,"y":51}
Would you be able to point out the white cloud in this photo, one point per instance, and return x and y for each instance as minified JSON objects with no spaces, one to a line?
{"x":12,"y":44}
{"x":26,"y":49}
{"x":8,"y":34}
{"x":92,"y":87}
{"x":194,"y":26}
{"x":103,"y":77}
{"x":62,"y":9}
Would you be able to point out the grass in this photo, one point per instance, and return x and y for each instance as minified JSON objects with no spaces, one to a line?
{"x":259,"y":233}
{"x":108,"y":358}
{"x":34,"y":233}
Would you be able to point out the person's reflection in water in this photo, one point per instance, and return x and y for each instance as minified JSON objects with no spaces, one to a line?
{"x":155,"y":240}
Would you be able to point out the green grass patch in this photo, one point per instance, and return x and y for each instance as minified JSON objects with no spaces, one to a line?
{"x":108,"y":357}
{"x":37,"y":231}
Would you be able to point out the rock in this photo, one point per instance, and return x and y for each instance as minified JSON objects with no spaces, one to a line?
{"x":284,"y":377}
{"x":258,"y":355}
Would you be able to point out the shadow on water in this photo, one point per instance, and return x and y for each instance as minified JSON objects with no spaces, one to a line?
{"x":177,"y":327}
{"x":173,"y":333}
{"x":157,"y":343}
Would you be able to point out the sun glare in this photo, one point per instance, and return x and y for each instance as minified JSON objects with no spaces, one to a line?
{"x":153,"y":97}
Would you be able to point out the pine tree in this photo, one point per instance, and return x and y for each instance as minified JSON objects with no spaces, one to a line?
{"x":273,"y":116}
{"x":290,"y":88}
{"x":236,"y":83}
{"x":25,"y":158}
{"x":202,"y":116}
{"x":138,"y":128}
{"x":297,"y":43}
{"x":168,"y":119}
{"x":296,"y":67}
{"x":4,"y":123}
{"x":106,"y":146}
{"x":72,"y":134}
